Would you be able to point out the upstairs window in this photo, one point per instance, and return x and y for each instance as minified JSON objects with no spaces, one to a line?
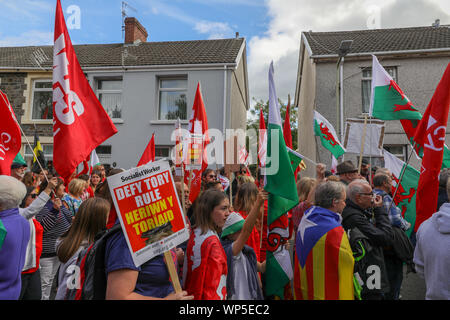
{"x":42,"y":100}
{"x":109,"y":92}
{"x":172,"y":99}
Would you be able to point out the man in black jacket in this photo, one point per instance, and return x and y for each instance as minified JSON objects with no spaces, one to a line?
{"x":365,"y":212}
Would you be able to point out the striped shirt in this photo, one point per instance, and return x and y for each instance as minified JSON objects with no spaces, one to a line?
{"x":55,"y":224}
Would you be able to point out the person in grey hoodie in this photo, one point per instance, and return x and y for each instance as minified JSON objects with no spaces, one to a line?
{"x":432,"y":254}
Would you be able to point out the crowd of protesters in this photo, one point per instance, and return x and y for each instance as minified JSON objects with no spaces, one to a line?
{"x":49,"y":221}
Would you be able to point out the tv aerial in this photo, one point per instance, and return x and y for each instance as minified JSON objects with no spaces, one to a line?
{"x":125,"y":6}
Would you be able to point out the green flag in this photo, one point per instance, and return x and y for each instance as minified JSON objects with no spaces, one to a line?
{"x":2,"y":233}
{"x":405,"y":198}
{"x":388,"y":102}
{"x":280,"y":184}
{"x":328,"y":137}
{"x":280,"y":181}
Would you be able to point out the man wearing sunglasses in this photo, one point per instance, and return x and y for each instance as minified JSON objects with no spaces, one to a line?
{"x":365,"y":212}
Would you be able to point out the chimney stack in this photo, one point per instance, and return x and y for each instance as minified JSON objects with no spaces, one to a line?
{"x":134,"y":31}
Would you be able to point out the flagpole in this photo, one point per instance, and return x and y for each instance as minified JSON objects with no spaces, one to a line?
{"x":313,"y":162}
{"x":362,"y":144}
{"x":401,"y":177}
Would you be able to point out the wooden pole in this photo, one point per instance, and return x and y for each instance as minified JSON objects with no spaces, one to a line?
{"x":172,"y":271}
{"x":363,"y":140}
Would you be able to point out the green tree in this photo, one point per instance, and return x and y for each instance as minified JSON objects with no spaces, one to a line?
{"x":253,"y":119}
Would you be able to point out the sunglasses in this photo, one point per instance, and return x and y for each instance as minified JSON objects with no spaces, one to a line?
{"x":33,"y":195}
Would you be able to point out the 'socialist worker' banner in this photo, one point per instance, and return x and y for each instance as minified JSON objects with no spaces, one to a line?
{"x":149,"y":210}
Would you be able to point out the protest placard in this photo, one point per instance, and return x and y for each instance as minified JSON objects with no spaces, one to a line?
{"x":149,"y":210}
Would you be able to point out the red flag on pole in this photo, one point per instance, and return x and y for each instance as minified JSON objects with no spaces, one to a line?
{"x":430,"y":133}
{"x":288,"y":135}
{"x":80,"y":123}
{"x":197,"y":123}
{"x":149,"y":152}
{"x":10,"y":136}
{"x":262,"y":151}
{"x":287,"y":128}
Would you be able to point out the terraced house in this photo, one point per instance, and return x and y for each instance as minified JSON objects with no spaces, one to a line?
{"x":338,"y":84}
{"x":144,"y":86}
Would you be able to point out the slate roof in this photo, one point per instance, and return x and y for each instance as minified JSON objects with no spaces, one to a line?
{"x":380,"y":40}
{"x":143,"y":54}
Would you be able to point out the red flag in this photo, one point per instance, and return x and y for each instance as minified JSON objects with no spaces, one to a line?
{"x":10,"y":136}
{"x":262,"y":151}
{"x":149,"y":152}
{"x":80,"y":123}
{"x":287,"y":129}
{"x":288,"y":135}
{"x":205,"y":269}
{"x":430,"y":134}
{"x":198,"y":121}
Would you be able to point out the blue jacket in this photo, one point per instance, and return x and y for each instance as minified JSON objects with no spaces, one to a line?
{"x":12,"y":253}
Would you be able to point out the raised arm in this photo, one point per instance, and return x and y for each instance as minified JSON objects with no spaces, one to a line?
{"x":249,"y":223}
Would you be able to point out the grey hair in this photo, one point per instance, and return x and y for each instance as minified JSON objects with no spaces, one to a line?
{"x":12,"y":192}
{"x":326,"y":192}
{"x":355,"y":187}
{"x":383,"y":171}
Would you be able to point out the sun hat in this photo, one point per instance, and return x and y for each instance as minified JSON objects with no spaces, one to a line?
{"x":346,"y":167}
{"x":233,"y":224}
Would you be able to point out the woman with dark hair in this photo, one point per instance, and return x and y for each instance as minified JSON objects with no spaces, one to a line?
{"x":55,"y":218}
{"x":89,"y":220}
{"x":205,"y":262}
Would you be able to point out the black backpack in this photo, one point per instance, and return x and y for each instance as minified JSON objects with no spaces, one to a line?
{"x":369,"y":259}
{"x":91,"y":262}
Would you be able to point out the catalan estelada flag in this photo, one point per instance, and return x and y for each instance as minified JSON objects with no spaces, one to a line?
{"x":323,"y":258}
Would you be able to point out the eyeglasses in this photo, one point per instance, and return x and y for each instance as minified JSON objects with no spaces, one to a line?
{"x":367,"y":193}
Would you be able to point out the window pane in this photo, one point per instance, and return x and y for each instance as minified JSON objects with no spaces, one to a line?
{"x":110,"y":84}
{"x":112,"y":102}
{"x":172,"y":105}
{"x":42,"y":105}
{"x":39,"y":84}
{"x":162,"y":152}
{"x":173,"y":83}
{"x":367,"y":73}
{"x":366,"y":92}
{"x":103,"y":150}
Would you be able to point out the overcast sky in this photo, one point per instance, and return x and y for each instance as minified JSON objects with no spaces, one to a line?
{"x":272,"y":28}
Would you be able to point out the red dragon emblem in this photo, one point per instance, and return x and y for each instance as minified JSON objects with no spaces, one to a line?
{"x":327,"y":134}
{"x":401,"y":196}
{"x":401,"y":107}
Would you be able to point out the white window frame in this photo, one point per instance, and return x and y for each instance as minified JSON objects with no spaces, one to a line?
{"x":402,"y":155}
{"x":33,"y":91}
{"x":169,"y":148}
{"x":113,"y":91}
{"x":185,"y":90}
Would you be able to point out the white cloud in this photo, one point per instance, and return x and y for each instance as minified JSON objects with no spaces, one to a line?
{"x":29,"y":38}
{"x":215,"y":30}
{"x":288,"y":18}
